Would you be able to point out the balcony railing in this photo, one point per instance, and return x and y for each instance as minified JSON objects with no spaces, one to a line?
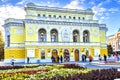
{"x":36,"y":43}
{"x":33,"y":43}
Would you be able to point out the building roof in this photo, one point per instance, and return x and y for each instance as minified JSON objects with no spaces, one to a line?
{"x":119,"y":30}
{"x":111,"y":35}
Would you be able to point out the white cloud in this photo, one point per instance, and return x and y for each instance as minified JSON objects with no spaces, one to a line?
{"x":75,"y":4}
{"x":101,"y":12}
{"x":113,"y":10}
{"x":92,"y":2}
{"x":21,"y":2}
{"x":4,"y":0}
{"x":9,"y":11}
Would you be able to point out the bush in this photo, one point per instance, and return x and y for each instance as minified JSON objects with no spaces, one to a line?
{"x":73,"y":65}
{"x":17,"y":67}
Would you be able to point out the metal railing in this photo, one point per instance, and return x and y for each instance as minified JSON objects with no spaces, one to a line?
{"x":35,"y":43}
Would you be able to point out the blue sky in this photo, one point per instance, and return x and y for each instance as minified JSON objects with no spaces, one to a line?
{"x":106,"y":11}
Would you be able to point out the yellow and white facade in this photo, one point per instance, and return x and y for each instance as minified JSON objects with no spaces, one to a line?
{"x":52,"y":31}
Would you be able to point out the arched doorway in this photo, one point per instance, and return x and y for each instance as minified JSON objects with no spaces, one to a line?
{"x":76,"y":55}
{"x":66,"y":55}
{"x":86,"y":36}
{"x":55,"y":55}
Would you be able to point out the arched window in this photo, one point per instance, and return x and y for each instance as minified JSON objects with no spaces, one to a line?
{"x":86,"y":36}
{"x":42,"y":35}
{"x":76,"y":36}
{"x":54,"y":35}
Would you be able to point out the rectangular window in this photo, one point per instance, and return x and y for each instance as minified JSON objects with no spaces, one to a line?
{"x":60,"y":17}
{"x":83,"y":18}
{"x":79,"y":18}
{"x":43,"y":15}
{"x":64,"y":17}
{"x":49,"y":16}
{"x":73,"y":17}
{"x":69,"y":17}
{"x":42,"y":55}
{"x":38,"y":15}
{"x":8,"y":41}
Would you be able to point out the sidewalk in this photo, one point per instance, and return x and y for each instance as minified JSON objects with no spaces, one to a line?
{"x":86,"y":64}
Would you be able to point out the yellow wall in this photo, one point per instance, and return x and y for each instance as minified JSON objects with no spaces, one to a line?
{"x":95,"y":34}
{"x":102,"y":36}
{"x":104,"y":51}
{"x":16,"y":52}
{"x":31,"y":34}
{"x":17,"y":34}
{"x":92,"y":52}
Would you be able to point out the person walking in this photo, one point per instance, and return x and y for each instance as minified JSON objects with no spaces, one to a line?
{"x":100,"y":58}
{"x":105,"y":58}
{"x":28,"y":59}
{"x":61,"y":58}
{"x":12,"y":61}
{"x":90,"y":58}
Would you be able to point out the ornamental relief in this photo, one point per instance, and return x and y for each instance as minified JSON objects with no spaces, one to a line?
{"x":30,"y":31}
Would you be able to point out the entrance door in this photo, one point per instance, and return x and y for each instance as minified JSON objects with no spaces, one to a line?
{"x":66,"y":55}
{"x":76,"y":54}
{"x":54,"y":55}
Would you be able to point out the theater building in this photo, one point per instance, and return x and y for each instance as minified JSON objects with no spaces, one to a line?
{"x":114,"y":41}
{"x":52,"y":31}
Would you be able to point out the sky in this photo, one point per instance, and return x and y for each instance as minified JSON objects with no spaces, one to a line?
{"x":106,"y":11}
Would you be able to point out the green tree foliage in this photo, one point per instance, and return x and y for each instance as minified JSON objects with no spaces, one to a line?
{"x":110,"y":50}
{"x":1,"y":46}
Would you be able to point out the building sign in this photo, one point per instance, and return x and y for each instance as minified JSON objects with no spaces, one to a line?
{"x":96,"y":52}
{"x":65,"y":35}
{"x":30,"y":53}
{"x":18,"y":31}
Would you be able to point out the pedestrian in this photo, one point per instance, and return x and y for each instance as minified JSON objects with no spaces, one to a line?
{"x":115,"y":57}
{"x":90,"y":58}
{"x":105,"y":58}
{"x":28,"y":59}
{"x":82,"y":57}
{"x":61,"y":58}
{"x":12,"y":61}
{"x":100,"y":58}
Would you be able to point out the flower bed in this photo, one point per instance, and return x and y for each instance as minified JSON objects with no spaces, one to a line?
{"x":17,"y":67}
{"x":73,"y":65}
{"x":59,"y":72}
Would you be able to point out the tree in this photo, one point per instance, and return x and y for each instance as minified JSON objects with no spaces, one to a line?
{"x":1,"y":46}
{"x":110,"y":50}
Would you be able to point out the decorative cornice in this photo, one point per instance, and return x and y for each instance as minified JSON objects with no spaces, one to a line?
{"x":32,"y":21}
{"x":13,"y":24}
{"x":103,"y":27}
{"x":61,"y":23}
{"x":32,"y":6}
